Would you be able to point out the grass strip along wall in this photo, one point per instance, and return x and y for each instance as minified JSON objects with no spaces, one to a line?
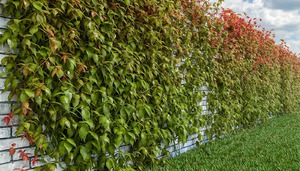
{"x":92,"y":75}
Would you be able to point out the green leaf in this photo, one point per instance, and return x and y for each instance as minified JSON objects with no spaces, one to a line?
{"x":143,"y":150}
{"x":83,"y":131}
{"x":131,"y":135}
{"x":94,"y":135}
{"x":29,"y":93}
{"x":53,"y":114}
{"x":12,"y":43}
{"x":123,"y":112}
{"x":33,"y":30}
{"x":48,"y":92}
{"x":106,"y":109}
{"x":127,"y":2}
{"x":109,"y":163}
{"x":127,"y":139}
{"x":40,"y":18}
{"x":25,"y":4}
{"x":96,"y":58}
{"x":26,"y":125}
{"x":103,"y":52}
{"x":38,"y":100}
{"x":65,"y":122}
{"x":3,"y":74}
{"x":51,"y":166}
{"x":71,"y":141}
{"x":14,"y":83}
{"x":68,"y":147}
{"x":95,"y":98}
{"x":104,"y":121}
{"x":75,"y":100}
{"x":61,"y":148}
{"x":97,"y":145}
{"x":143,"y":137}
{"x":141,"y":112}
{"x":19,"y":130}
{"x":4,"y":37}
{"x":37,"y":5}
{"x":84,"y":151}
{"x":118,"y":140}
{"x":23,"y":97}
{"x":136,"y":130}
{"x":95,"y":2}
{"x":90,"y":123}
{"x":88,"y":87}
{"x":104,"y":138}
{"x":89,"y":53}
{"x":65,"y":101}
{"x":85,"y":113}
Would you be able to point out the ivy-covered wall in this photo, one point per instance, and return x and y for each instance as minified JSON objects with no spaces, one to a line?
{"x":91,"y":77}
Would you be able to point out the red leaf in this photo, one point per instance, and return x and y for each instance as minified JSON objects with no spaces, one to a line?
{"x":30,"y":139}
{"x":34,"y":160}
{"x":151,"y":11}
{"x":24,"y":134}
{"x":7,"y":120}
{"x":22,"y":152}
{"x":12,"y":150}
{"x":24,"y":155}
{"x":25,"y":158}
{"x":11,"y":114}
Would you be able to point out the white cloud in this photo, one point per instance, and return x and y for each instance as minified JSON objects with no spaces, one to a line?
{"x":283,"y":4}
{"x":282,"y":16}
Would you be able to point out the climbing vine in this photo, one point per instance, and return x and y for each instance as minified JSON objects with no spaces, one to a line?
{"x":91,"y":76}
{"x":253,"y":78}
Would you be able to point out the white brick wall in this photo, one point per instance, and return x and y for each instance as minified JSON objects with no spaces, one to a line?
{"x":14,"y":165}
{"x":7,"y":136}
{"x":5,"y":132}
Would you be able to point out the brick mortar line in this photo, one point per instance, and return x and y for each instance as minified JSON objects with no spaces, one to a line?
{"x":19,"y":148}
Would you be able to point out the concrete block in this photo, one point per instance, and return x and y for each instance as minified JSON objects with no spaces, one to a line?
{"x":5,"y":132}
{"x":14,"y":165}
{"x":5,"y":157}
{"x":4,"y":108}
{"x":5,"y":144}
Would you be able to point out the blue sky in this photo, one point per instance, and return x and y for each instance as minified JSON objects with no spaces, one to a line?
{"x":281,"y":15}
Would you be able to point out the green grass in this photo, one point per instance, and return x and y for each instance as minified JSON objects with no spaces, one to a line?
{"x":274,"y":145}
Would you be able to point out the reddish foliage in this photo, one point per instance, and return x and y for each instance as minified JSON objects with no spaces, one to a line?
{"x":28,"y":137}
{"x":23,"y":155}
{"x":8,"y":118}
{"x":34,"y":160}
{"x":242,"y":38}
{"x":25,"y":108}
{"x":12,"y":149}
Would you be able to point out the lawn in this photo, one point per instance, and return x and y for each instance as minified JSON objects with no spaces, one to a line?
{"x":274,"y":145}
